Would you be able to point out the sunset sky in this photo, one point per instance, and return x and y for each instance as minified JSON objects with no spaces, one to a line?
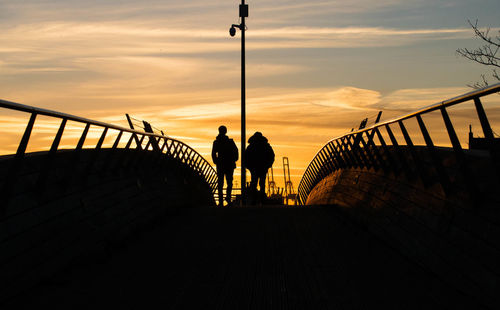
{"x":314,"y":68}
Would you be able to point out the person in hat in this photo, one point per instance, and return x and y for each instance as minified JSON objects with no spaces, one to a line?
{"x":259,"y":157}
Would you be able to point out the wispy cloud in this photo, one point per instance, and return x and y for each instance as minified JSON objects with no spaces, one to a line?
{"x":408,"y":100}
{"x":129,"y":37}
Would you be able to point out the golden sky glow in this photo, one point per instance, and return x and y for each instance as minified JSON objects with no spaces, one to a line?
{"x":315,"y":68}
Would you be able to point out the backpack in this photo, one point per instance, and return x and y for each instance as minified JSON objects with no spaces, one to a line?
{"x":227,"y":152}
{"x":232,"y":150}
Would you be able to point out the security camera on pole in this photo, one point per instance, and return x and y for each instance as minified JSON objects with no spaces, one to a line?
{"x":232,"y":32}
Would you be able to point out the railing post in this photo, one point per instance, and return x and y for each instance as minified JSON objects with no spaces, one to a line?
{"x":309,"y":182}
{"x":323,"y":171}
{"x":213,"y":178}
{"x":181,"y":154}
{"x":129,"y":142}
{"x":193,"y":158}
{"x":177,"y":150}
{"x":328,"y":162}
{"x":93,"y":159}
{"x":345,"y":158}
{"x":488,"y":134}
{"x":393,"y":139}
{"x":139,"y":144}
{"x":451,"y":131}
{"x":397,"y":149}
{"x":57,"y":139}
{"x":169,"y":147}
{"x":26,"y":137}
{"x":485,"y":124}
{"x":314,"y":170}
{"x":189,"y":159}
{"x":68,"y":177}
{"x":197,"y":163}
{"x":307,"y":177}
{"x":414,"y":155}
{"x":376,"y":151}
{"x":149,"y":144}
{"x":146,"y":152}
{"x":356,"y":152}
{"x":108,"y":162}
{"x":460,"y":156}
{"x":134,"y":161}
{"x":79,"y":146}
{"x":187,"y":156}
{"x":205,"y":167}
{"x":101,"y":139}
{"x":388,"y":155}
{"x":10,"y":177}
{"x":117,"y":141}
{"x":335,"y":156}
{"x":132,"y":127}
{"x":331,"y":158}
{"x":45,"y":169}
{"x":159,"y":154}
{"x":376,"y":121}
{"x":367,"y":153}
{"x":442,"y":175}
{"x":163,"y":145}
{"x":347,"y":152}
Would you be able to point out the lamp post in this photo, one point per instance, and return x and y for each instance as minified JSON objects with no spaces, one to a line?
{"x":232,"y":32}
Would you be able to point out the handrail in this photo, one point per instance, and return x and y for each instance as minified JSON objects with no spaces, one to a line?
{"x":342,"y":151}
{"x":171,"y":147}
{"x":70,"y":117}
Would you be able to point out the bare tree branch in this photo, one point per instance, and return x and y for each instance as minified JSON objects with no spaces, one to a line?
{"x":478,"y":85}
{"x":487,"y":54}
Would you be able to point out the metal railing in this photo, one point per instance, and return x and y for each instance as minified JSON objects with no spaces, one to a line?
{"x":352,"y":150}
{"x":172,"y":148}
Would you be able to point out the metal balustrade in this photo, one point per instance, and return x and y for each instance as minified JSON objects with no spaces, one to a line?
{"x":358,"y":149}
{"x":143,"y":141}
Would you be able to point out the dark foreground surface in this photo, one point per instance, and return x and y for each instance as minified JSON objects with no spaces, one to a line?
{"x":247,"y":258}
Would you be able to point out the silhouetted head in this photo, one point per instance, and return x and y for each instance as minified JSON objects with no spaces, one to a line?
{"x":257,"y":137}
{"x":222,"y":130}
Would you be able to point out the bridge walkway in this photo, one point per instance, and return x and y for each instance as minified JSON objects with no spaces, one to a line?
{"x":247,"y":258}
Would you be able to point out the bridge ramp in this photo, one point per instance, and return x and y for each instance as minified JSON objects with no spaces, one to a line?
{"x":247,"y":258}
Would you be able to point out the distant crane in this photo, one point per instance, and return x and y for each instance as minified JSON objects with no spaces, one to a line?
{"x":274,"y":193}
{"x":289,"y":191}
{"x":271,"y":185}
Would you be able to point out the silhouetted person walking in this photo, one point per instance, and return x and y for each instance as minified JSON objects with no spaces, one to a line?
{"x":224,"y":156}
{"x":259,"y":157}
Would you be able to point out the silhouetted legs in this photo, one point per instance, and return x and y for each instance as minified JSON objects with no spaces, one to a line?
{"x":228,"y":174}
{"x":260,"y":178}
{"x":229,"y":181}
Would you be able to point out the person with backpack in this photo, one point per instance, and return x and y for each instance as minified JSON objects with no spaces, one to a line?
{"x":259,"y":157}
{"x":224,"y":155}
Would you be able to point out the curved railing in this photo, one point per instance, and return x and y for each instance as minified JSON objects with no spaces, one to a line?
{"x":144,"y":141}
{"x":352,"y":150}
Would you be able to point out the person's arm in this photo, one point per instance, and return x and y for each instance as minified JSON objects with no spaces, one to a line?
{"x":271,"y":156}
{"x":236,"y":152}
{"x":248,"y":157}
{"x":214,"y":153}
